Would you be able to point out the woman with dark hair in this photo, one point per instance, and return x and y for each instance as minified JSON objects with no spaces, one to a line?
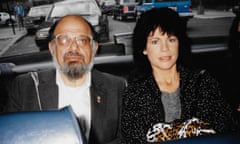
{"x":164,"y":88}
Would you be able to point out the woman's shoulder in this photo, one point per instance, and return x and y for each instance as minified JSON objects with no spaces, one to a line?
{"x":197,"y":75}
{"x":193,"y":72}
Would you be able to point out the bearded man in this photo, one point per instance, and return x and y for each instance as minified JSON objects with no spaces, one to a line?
{"x":93,"y":95}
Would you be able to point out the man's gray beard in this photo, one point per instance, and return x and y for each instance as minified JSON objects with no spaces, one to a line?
{"x":73,"y":71}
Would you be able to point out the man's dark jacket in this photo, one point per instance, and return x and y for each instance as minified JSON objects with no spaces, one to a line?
{"x":105,"y":94}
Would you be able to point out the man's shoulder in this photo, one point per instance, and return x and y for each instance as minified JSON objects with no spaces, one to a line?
{"x":42,"y":73}
{"x":47,"y":72}
{"x":106,"y":76}
{"x":107,"y":81}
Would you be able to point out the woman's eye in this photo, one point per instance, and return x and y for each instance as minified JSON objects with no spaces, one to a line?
{"x":172,"y":39}
{"x":154,"y":42}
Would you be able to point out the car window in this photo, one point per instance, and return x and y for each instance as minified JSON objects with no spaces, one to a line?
{"x":109,"y":3}
{"x":148,"y":1}
{"x":128,"y":1}
{"x":39,"y":11}
{"x":83,"y":8}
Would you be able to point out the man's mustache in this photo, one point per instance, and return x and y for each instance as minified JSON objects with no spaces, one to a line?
{"x":72,"y":54}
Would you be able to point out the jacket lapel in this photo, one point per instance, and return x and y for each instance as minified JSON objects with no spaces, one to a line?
{"x":98,"y":102}
{"x":48,"y":90}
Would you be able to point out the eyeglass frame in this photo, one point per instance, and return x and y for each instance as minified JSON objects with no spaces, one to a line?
{"x":72,"y":36}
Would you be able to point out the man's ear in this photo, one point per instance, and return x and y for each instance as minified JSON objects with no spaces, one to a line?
{"x":95,"y":47}
{"x":51,"y":48}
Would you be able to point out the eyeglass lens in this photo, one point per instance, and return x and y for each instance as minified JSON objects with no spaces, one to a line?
{"x":67,"y":39}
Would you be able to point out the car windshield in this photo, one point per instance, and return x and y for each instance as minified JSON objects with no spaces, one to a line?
{"x":129,"y":1}
{"x":39,"y":11}
{"x":83,"y":8}
{"x":109,"y":3}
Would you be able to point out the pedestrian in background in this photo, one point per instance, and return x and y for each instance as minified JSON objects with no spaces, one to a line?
{"x":19,"y":14}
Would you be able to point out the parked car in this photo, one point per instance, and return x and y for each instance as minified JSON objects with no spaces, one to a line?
{"x":6,"y":20}
{"x":107,"y":6}
{"x":124,"y":9}
{"x":89,"y":9}
{"x":183,"y":7}
{"x":36,"y":15}
{"x":236,"y":9}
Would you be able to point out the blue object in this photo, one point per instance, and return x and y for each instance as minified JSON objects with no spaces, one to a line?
{"x":42,"y":127}
{"x":182,"y":7}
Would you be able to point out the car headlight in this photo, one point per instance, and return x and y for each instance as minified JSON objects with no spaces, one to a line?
{"x":42,"y":34}
{"x":97,"y":28}
{"x":28,"y":21}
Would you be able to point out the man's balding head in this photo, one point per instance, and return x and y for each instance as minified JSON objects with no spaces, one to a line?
{"x":67,"y":22}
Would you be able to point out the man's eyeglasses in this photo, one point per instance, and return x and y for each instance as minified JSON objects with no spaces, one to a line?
{"x":66,"y":39}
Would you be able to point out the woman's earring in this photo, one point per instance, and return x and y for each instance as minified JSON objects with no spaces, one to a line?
{"x":145,"y":52}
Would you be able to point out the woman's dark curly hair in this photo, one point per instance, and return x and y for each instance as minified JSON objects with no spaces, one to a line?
{"x":169,"y":22}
